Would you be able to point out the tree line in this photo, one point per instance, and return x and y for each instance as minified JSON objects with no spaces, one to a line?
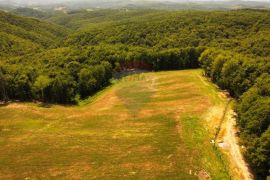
{"x":248,"y":80}
{"x":65,"y":75}
{"x":60,"y":76}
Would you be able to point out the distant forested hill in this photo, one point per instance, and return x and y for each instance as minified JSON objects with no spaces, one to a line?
{"x":245,"y":31}
{"x":78,"y":19}
{"x":19,"y":35}
{"x":30,"y":12}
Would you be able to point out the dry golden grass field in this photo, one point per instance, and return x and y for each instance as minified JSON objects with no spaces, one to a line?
{"x":145,"y":126}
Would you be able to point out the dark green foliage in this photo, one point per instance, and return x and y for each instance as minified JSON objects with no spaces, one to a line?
{"x":231,"y":71}
{"x":258,"y":154}
{"x":57,"y":75}
{"x":20,"y":35}
{"x":254,"y":121}
{"x":87,"y":82}
{"x":243,"y":31}
{"x":173,"y":59}
{"x":41,"y":84}
{"x":62,"y":89}
{"x":3,"y":86}
{"x":249,"y":80}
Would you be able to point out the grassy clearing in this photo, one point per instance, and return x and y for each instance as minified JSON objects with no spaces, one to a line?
{"x":151,"y":126}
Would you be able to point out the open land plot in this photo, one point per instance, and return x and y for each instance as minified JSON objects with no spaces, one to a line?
{"x":150,"y":126}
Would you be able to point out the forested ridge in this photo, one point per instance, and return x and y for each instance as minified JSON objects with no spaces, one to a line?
{"x":245,"y":31}
{"x":71,"y":56}
{"x":20,"y":36}
{"x":29,"y":12}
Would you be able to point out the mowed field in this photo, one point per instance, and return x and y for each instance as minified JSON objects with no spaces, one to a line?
{"x":145,"y":126}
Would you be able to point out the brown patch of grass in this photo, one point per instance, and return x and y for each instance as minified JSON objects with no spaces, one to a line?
{"x":145,"y":149}
{"x":74,"y":171}
{"x":146,"y":166}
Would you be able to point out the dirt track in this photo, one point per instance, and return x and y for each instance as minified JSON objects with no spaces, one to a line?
{"x":237,"y":161}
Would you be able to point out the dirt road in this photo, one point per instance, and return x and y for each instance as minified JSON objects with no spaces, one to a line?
{"x":232,"y":148}
{"x":226,"y":134}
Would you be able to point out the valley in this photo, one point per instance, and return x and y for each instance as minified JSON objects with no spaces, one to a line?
{"x":198,"y":109}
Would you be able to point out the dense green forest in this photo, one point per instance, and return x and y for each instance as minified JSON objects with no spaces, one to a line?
{"x":248,"y":80}
{"x":68,"y":56}
{"x":244,"y":31}
{"x":30,"y":12}
{"x":19,"y":36}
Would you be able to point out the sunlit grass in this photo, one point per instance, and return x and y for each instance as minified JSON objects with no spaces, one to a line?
{"x":148,"y":126}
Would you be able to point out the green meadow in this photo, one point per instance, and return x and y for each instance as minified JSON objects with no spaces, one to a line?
{"x":155,"y":125}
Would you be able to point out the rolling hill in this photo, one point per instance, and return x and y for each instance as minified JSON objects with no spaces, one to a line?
{"x":21,"y":35}
{"x":244,"y":31}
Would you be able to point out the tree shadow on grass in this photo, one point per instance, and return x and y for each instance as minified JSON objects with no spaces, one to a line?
{"x":4,"y":104}
{"x":45,"y":105}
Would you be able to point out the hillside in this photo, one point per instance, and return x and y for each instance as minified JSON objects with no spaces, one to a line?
{"x":19,"y":35}
{"x":144,"y":126}
{"x":244,"y":31}
{"x":30,"y":12}
{"x":77,"y":19}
